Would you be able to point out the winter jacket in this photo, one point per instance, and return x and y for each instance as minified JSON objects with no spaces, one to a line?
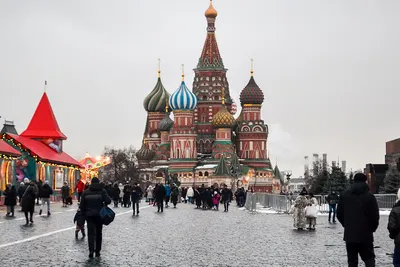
{"x":190,"y":192}
{"x":93,"y":199}
{"x":160,"y":193}
{"x":65,"y":191}
{"x":46,"y":191}
{"x":174,"y":191}
{"x":28,"y":198}
{"x":110,"y":191}
{"x":167,"y":191}
{"x":137,"y":193}
{"x":80,"y":187}
{"x":216,"y":198}
{"x":10,"y":196}
{"x":21,"y":191}
{"x":358,"y":212}
{"x":116,"y":192}
{"x":121,"y":190}
{"x":332,"y":199}
{"x":149,"y":192}
{"x":79,"y":218}
{"x":227,"y":194}
{"x":394,"y":223}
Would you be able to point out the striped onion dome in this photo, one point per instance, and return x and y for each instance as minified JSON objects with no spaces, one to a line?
{"x":157,"y":99}
{"x":223,"y":119}
{"x":251,"y":94}
{"x":166,"y":123}
{"x":183,"y":99}
{"x":144,"y":153}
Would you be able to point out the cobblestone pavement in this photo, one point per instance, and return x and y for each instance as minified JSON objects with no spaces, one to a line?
{"x":180,"y":237}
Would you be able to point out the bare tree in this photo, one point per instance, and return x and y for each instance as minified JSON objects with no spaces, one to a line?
{"x":123,"y":166}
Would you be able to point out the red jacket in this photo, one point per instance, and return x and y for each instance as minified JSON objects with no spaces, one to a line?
{"x":80,"y":187}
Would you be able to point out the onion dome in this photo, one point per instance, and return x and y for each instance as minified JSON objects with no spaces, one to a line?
{"x":223,"y":119}
{"x":183,"y":98}
{"x":166,"y":123}
{"x":233,"y":108}
{"x":211,"y":12}
{"x":251,"y":94}
{"x":144,"y":153}
{"x":156,"y":101}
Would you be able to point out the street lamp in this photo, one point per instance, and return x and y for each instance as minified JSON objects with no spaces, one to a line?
{"x":288,"y":175}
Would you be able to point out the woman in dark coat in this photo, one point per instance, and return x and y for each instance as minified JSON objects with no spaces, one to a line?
{"x":10,"y":199}
{"x":116,"y":193}
{"x":65,"y":194}
{"x":28,"y":201}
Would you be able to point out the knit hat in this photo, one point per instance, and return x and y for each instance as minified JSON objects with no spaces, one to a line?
{"x":26,"y":180}
{"x":95,"y":180}
{"x":360,"y":178}
{"x":21,"y":184}
{"x":46,"y":182}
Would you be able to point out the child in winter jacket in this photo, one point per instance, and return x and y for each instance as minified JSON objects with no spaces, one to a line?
{"x":311,"y":212}
{"x":216,"y":198}
{"x":79,"y":219}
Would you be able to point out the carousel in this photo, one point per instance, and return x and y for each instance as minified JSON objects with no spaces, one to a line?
{"x":92,"y":165}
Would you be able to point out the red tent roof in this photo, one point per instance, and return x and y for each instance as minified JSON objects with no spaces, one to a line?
{"x":44,"y":152}
{"x":43,"y":123}
{"x":8,"y":150}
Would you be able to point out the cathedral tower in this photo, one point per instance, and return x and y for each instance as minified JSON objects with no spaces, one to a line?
{"x":210,"y":78}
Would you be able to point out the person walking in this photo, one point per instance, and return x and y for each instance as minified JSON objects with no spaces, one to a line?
{"x":311,"y":212}
{"x":127,"y":195}
{"x":137,"y":194}
{"x":79,"y":219}
{"x":115,"y":196}
{"x":299,"y":214}
{"x":174,"y":195}
{"x":10,"y":199}
{"x":197,"y":197}
{"x":226,"y":196}
{"x":28,"y":200}
{"x":21,"y":191}
{"x":167,"y":195}
{"x":216,"y":198}
{"x":65,"y":194}
{"x":159,"y":197}
{"x":394,"y":229}
{"x":79,"y":188}
{"x":149,"y":192}
{"x":121,"y":193}
{"x":45,"y":194}
{"x":190,"y":195}
{"x":332,"y":200}
{"x":358,"y":213}
{"x":92,"y":202}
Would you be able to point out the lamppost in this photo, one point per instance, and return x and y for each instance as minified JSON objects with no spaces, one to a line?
{"x":288,"y":174}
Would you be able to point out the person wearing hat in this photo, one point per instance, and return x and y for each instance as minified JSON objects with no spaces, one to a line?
{"x":45,"y":193}
{"x":358,"y":213}
{"x":92,"y":201}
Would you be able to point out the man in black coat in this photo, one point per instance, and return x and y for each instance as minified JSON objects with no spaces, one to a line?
{"x":226,"y":197}
{"x":332,"y":200}
{"x":92,"y":201}
{"x":44,"y":193}
{"x":137,"y":194}
{"x":358,"y":212}
{"x":159,"y":195}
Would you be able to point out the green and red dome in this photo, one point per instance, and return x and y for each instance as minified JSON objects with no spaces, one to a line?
{"x":251,"y":94}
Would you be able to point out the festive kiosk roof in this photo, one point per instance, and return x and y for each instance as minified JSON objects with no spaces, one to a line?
{"x":8,"y":150}
{"x":42,"y":151}
{"x":44,"y":123}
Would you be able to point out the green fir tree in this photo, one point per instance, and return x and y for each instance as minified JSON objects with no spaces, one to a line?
{"x":337,"y":181}
{"x":391,"y":183}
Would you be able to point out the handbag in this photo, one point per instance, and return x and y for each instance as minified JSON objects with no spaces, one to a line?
{"x":311,"y":211}
{"x":107,"y":215}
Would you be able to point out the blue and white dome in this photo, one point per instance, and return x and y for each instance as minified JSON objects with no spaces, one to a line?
{"x":183,"y":99}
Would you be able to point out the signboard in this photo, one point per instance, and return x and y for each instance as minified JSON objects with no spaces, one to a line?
{"x":59,"y":178}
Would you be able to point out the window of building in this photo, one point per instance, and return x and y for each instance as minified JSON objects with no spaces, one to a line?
{"x":206,"y":174}
{"x":200,"y":174}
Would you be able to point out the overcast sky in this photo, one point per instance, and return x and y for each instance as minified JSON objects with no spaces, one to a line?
{"x":329,"y":69}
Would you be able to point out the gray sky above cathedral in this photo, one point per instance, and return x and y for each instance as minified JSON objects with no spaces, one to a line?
{"x":328,"y":69}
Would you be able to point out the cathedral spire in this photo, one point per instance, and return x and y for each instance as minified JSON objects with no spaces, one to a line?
{"x":210,"y":57}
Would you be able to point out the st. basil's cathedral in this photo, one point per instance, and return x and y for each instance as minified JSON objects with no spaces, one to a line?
{"x":205,"y":144}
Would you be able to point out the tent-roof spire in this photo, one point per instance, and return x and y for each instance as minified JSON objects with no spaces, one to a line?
{"x":44,"y":123}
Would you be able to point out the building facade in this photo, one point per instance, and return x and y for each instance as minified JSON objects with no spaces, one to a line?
{"x":204,"y":136}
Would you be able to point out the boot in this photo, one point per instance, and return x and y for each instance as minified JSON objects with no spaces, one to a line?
{"x":83,"y":233}
{"x":40,"y":212}
{"x":48,"y":213}
{"x":76,"y":234}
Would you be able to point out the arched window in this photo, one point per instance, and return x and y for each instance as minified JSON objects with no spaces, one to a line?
{"x":216,"y":97}
{"x":200,"y":174}
{"x":206,"y":174}
{"x":203,"y":117}
{"x":204,"y":97}
{"x":178,"y":153}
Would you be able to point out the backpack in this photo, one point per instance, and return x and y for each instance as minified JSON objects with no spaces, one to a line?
{"x":107,"y":215}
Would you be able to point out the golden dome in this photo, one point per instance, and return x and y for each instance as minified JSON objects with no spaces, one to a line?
{"x":211,"y":12}
{"x":223,"y":119}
